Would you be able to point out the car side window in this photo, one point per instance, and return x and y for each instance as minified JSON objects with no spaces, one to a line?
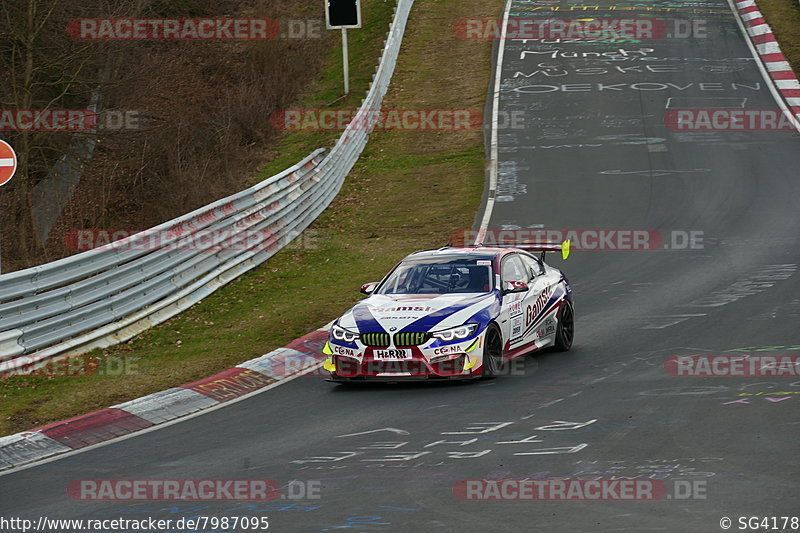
{"x":514,"y":270}
{"x":534,"y":265}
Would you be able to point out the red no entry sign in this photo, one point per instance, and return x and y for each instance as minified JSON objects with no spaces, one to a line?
{"x":8,"y":162}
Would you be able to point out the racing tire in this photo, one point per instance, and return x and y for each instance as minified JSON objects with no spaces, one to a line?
{"x":492,"y":353}
{"x":565,"y":332}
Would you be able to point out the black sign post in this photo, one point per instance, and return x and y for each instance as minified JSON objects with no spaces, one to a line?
{"x":343,"y":14}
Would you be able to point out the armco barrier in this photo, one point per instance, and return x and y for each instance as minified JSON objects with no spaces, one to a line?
{"x":107,"y":295}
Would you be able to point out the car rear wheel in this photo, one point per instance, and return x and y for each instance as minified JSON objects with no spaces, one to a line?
{"x":493,"y":352}
{"x":566,"y":328}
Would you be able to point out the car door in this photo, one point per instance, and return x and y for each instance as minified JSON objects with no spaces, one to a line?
{"x":512,"y":314}
{"x":539,"y":325}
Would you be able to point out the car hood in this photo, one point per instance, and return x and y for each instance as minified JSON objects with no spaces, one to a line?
{"x":415,"y":312}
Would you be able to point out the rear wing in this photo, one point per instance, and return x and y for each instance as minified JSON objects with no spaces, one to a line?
{"x":542,"y":247}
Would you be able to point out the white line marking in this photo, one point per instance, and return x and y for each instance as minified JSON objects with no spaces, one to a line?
{"x":674,"y":316}
{"x":493,"y":155}
{"x":393,"y":430}
{"x":666,"y":321}
{"x":548,"y":404}
{"x":685,"y":102}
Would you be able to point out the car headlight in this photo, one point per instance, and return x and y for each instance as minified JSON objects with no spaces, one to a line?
{"x":460,"y":332}
{"x":341,"y":334}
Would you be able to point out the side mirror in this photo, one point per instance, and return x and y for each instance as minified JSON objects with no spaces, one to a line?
{"x":511,"y":287}
{"x":369,"y":288}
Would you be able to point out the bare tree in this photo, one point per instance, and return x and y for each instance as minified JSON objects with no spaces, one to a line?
{"x":208,"y":106}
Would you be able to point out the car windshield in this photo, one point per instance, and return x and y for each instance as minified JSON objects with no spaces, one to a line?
{"x":444,"y":276}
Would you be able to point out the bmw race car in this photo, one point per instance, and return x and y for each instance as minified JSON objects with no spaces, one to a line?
{"x":454,"y":313}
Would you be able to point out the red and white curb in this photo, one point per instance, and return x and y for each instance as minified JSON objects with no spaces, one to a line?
{"x":302,"y":355}
{"x":768,"y":49}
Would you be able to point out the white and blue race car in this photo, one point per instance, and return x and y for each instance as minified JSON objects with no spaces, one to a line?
{"x":454,"y":313}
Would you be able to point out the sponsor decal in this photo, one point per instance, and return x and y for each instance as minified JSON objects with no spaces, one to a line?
{"x":516,"y":326}
{"x":533,"y":310}
{"x":341,"y":350}
{"x":395,"y":354}
{"x":448,"y":350}
{"x":545,"y":331}
{"x":403,"y":308}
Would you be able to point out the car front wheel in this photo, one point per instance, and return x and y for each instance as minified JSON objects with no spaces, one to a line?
{"x":493,"y":352}
{"x":566,"y":328}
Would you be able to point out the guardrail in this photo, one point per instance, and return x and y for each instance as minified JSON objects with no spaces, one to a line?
{"x":110,"y":294}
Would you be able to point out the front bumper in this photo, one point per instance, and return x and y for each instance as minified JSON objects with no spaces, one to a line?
{"x":434,"y":361}
{"x":400,"y":379}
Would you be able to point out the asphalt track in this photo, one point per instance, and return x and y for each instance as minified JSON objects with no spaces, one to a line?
{"x":586,"y":159}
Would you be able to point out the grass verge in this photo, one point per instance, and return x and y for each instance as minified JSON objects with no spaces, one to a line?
{"x":410,"y":190}
{"x":784,"y":18}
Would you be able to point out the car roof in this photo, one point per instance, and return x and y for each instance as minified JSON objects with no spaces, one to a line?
{"x":472,"y":252}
